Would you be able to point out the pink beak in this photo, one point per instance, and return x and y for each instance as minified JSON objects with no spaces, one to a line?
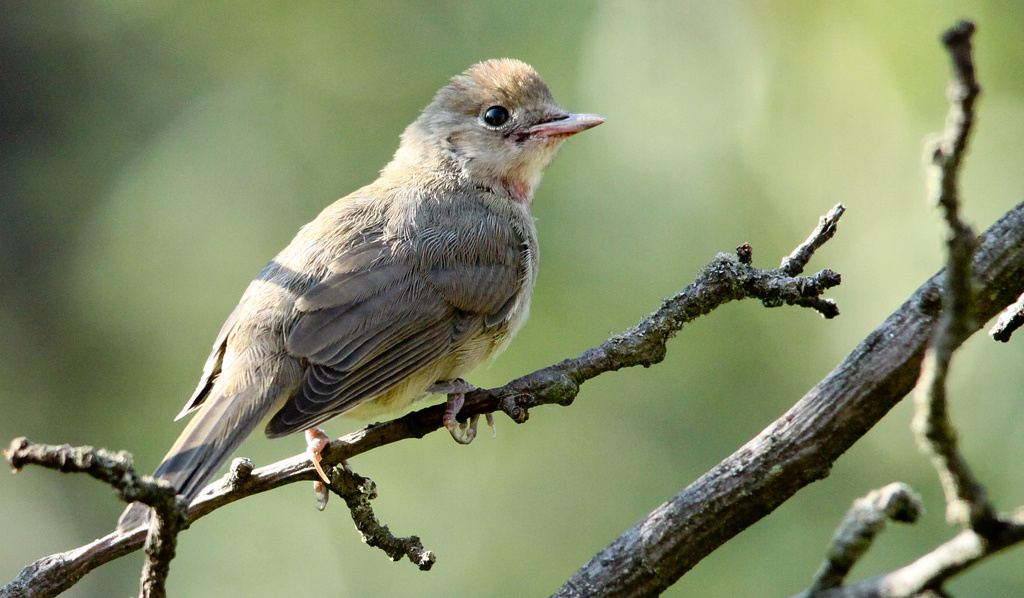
{"x":564,"y":126}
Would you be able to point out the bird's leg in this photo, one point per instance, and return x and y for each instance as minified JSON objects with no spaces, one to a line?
{"x":447,"y":387}
{"x":456,"y":390}
{"x":316,"y":440}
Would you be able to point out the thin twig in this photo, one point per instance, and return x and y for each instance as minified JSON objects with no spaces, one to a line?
{"x":111,"y":468}
{"x":966,"y":503}
{"x":865,"y":520}
{"x":161,"y":539}
{"x":1009,"y":321}
{"x":929,"y":572}
{"x":794,"y":263}
{"x":358,"y":491}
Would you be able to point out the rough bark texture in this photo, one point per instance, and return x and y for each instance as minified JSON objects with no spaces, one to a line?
{"x":800,"y":446}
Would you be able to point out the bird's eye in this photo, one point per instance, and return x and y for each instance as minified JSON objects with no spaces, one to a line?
{"x":496,"y":116}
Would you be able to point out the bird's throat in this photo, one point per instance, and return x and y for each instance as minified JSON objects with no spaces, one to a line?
{"x":520,"y":191}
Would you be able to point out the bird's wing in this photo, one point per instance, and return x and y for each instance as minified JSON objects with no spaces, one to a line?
{"x":378,"y":317}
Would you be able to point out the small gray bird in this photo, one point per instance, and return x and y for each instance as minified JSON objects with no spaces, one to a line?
{"x":393,"y":292}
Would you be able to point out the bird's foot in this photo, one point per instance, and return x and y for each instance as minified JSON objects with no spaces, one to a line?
{"x":456,"y":389}
{"x":450,"y":387}
{"x":316,"y":440}
{"x":463,"y":432}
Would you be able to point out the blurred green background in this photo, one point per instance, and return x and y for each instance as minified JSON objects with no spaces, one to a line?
{"x":156,"y":155}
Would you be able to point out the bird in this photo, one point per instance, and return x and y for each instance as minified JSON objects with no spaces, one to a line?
{"x":394,"y":292}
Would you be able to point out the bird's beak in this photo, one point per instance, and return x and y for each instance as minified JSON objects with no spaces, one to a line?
{"x":564,"y":125}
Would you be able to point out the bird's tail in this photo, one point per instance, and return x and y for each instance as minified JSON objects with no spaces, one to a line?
{"x":213,"y":434}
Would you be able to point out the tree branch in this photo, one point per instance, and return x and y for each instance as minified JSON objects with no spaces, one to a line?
{"x":727,"y":278}
{"x":933,"y":569}
{"x":985,"y":532}
{"x":357,"y":492}
{"x":794,"y":263}
{"x":800,"y":446}
{"x":116,"y":470}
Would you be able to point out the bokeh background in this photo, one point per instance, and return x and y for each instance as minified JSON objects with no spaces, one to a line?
{"x":155,"y":155}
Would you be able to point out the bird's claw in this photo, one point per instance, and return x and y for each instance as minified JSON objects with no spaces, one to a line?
{"x":316,"y":440}
{"x":463,"y":432}
{"x":456,"y":389}
{"x":322,"y":495}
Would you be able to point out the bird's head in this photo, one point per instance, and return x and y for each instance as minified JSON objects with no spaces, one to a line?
{"x":497,"y":123}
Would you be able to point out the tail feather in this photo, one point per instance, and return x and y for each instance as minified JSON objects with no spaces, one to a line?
{"x":213,"y":434}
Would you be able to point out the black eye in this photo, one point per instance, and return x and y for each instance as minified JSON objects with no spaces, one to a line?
{"x":496,"y":116}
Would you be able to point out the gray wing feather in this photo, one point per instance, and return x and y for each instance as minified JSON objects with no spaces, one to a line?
{"x":377,"y":317}
{"x":348,"y":287}
{"x":327,"y":391}
{"x":478,"y":288}
{"x":348,"y":335}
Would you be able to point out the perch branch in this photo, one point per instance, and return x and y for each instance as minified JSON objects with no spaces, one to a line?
{"x":727,"y":278}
